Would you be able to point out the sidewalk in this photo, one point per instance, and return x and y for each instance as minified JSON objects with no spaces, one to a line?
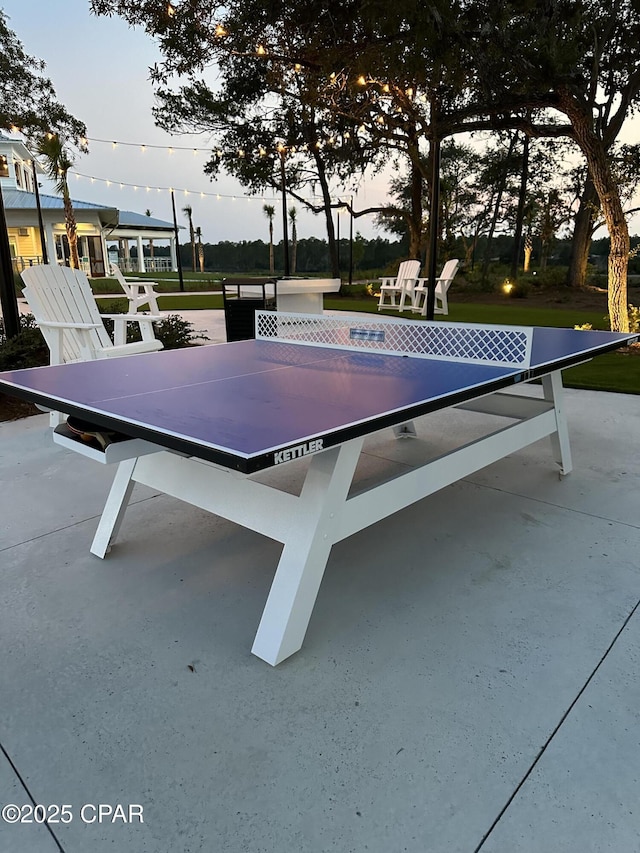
{"x":468,"y":682}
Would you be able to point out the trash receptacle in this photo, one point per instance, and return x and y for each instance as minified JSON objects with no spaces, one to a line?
{"x":241,"y":299}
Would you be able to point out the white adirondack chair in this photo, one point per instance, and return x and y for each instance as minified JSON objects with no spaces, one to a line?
{"x":401,"y":286}
{"x":443,"y":282}
{"x":65,"y":309}
{"x":138,"y":291}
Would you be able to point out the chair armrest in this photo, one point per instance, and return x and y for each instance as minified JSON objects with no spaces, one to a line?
{"x":50,"y":324}
{"x":144,"y":321}
{"x":137,"y":318}
{"x":141,"y":281}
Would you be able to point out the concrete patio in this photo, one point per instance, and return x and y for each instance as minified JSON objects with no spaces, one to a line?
{"x":469,"y":680}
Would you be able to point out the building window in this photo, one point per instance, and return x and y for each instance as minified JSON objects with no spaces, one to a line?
{"x":4,"y":167}
{"x":19,"y":178}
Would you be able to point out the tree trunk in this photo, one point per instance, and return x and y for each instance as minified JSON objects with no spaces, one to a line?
{"x":517,"y":237}
{"x":294,"y":247}
{"x":415,"y":221}
{"x":328,"y":213}
{"x":271,"y":257}
{"x":72,"y":231}
{"x":582,"y":233}
{"x":600,"y":171}
{"x":496,"y":209}
{"x":528,"y":251}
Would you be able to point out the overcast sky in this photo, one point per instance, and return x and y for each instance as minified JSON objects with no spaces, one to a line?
{"x":99,"y":67}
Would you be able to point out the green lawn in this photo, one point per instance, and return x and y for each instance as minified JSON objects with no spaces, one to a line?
{"x":611,"y":372}
{"x":616,"y":371}
{"x":514,"y":312}
{"x":190,"y":303}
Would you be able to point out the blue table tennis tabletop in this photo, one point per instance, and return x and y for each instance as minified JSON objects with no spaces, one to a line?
{"x":253,"y":404}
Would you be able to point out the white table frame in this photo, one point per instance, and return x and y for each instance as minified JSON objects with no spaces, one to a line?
{"x":325,"y":512}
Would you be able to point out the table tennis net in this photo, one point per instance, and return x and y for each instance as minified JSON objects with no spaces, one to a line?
{"x":507,"y":346}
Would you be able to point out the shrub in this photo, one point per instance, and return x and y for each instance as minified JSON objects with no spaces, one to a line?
{"x":515,"y":289}
{"x":175,"y":332}
{"x":27,"y":349}
{"x":360,"y":290}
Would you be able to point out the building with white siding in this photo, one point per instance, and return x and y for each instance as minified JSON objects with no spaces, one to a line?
{"x":103,"y":232}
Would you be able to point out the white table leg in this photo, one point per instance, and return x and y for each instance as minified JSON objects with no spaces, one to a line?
{"x":115,"y":508}
{"x":304,"y":557}
{"x":554,"y":392}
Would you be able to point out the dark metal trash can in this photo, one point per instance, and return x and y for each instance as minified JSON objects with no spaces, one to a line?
{"x":240,"y":307}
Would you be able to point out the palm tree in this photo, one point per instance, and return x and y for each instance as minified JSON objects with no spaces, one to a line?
{"x":188,"y":212}
{"x":270,"y":212}
{"x":200,"y":248}
{"x":58,"y":162}
{"x":293,"y":217}
{"x":148,"y":213}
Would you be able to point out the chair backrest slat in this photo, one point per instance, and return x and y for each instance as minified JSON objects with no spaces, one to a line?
{"x":124,"y":284}
{"x":449,"y":270}
{"x":62,"y":295}
{"x":408,"y":270}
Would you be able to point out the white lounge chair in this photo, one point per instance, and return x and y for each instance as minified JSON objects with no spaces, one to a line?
{"x":65,"y":309}
{"x":138,"y":291}
{"x":443,"y":282}
{"x":401,"y":286}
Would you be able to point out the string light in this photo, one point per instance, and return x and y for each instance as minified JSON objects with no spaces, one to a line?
{"x":218,"y":196}
{"x":261,"y":150}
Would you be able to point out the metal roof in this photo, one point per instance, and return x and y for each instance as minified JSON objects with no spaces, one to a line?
{"x":128,"y":218}
{"x":22,"y":200}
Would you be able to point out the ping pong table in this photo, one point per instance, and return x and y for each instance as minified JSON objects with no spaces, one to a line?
{"x":197,"y":423}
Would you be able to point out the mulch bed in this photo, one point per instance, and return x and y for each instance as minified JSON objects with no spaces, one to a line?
{"x":12,"y":409}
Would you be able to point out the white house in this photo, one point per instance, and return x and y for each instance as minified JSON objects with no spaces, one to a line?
{"x":99,"y":226}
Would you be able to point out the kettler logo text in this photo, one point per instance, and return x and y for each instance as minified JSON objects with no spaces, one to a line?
{"x":295,"y":452}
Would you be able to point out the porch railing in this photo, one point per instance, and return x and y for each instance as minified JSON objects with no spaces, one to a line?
{"x":21,"y":262}
{"x":130,"y":265}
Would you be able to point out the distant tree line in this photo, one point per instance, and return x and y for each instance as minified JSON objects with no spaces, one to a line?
{"x":377,"y":255}
{"x":312,"y":255}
